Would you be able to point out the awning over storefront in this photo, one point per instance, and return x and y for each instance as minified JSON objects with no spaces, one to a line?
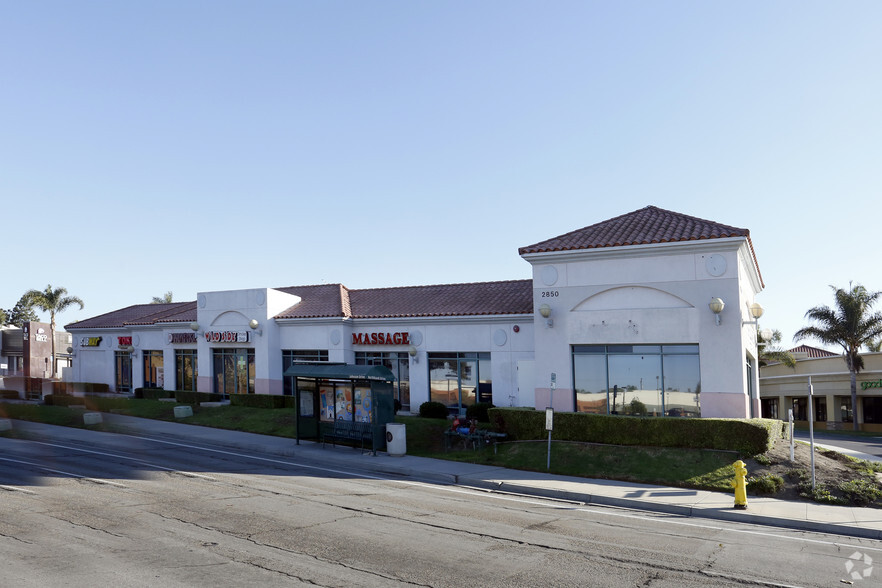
{"x":341,"y":372}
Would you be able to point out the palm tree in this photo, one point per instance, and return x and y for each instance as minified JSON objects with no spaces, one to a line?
{"x":771,"y":352}
{"x":851,"y":325}
{"x":164,"y":299}
{"x":52,"y":301}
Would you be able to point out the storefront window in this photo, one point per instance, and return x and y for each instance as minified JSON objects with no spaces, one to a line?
{"x":820,"y":405}
{"x":292,"y":356}
{"x":639,"y":380}
{"x":185,"y":369}
{"x":398,"y":364}
{"x":123,"y":361}
{"x":233,"y":371}
{"x":454,"y":379}
{"x":800,"y":409}
{"x":843,"y":405}
{"x":153,"y":372}
{"x":872,"y":409}
{"x":769,"y":408}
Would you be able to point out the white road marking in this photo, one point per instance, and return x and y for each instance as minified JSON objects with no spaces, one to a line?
{"x":548,"y":503}
{"x":63,"y":473}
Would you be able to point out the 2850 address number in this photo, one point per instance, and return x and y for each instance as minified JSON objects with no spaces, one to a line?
{"x":550,"y":293}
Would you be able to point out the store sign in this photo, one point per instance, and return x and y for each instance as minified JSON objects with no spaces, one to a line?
{"x":875,"y":384}
{"x":181,"y":338}
{"x":381,"y":338}
{"x":41,"y":336}
{"x":90,"y":341}
{"x":227,"y":336}
{"x":124,"y":341}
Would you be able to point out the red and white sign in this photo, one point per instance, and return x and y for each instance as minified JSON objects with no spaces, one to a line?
{"x":181,"y":338}
{"x":227,"y":336}
{"x":381,"y":338}
{"x":124,"y":341}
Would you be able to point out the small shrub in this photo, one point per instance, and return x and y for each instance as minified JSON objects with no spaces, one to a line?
{"x":397,"y":405}
{"x":189,"y":397}
{"x":765,"y":484}
{"x":153,"y":393}
{"x":763,"y":460}
{"x":62,"y":400}
{"x":433,"y":410}
{"x":864,"y":466}
{"x":70,"y":388}
{"x":479,"y":411}
{"x":861,"y":492}
{"x":10,"y":394}
{"x":822,"y":494}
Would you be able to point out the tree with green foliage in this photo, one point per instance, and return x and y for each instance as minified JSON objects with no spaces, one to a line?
{"x":852,"y":324}
{"x":21,"y":313}
{"x":770,"y":350}
{"x":53,"y":301}
{"x":4,"y":318}
{"x":164,"y":299}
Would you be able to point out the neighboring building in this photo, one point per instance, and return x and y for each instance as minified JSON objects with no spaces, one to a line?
{"x":783,"y":388}
{"x":28,"y":351}
{"x":615,"y":319}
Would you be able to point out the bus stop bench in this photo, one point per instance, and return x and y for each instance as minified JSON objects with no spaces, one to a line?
{"x":348,"y":431}
{"x":475,"y":439}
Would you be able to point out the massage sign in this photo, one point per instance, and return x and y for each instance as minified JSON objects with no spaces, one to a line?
{"x":227,"y":336}
{"x":380,"y":338}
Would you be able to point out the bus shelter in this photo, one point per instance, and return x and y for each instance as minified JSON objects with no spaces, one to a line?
{"x":339,"y":392}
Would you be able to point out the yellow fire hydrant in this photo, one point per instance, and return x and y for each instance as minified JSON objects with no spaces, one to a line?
{"x":740,"y":484}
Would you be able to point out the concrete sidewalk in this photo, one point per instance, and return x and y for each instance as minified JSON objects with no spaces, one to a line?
{"x":838,"y":520}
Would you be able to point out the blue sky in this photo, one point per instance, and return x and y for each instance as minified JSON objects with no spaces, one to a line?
{"x":189,"y":146}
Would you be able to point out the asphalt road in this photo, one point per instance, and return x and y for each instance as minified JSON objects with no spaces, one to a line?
{"x":118,"y":510}
{"x":868,"y":445}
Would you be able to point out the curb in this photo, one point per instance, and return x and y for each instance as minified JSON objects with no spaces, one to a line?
{"x":681,"y":510}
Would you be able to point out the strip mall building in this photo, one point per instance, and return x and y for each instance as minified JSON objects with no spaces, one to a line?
{"x":647,"y":313}
{"x":784,"y":389}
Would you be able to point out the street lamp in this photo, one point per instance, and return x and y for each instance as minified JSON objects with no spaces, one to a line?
{"x":717,"y":305}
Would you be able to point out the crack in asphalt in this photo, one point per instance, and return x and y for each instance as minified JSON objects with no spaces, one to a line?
{"x":248,"y":538}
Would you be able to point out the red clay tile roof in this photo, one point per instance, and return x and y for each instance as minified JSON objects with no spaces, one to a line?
{"x":140,"y":314}
{"x":325,"y":300}
{"x":482,"y":298}
{"x":335,"y":300}
{"x":813,"y":352}
{"x":642,"y":227}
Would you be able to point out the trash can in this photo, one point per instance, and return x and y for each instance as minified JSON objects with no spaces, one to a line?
{"x":396,"y":439}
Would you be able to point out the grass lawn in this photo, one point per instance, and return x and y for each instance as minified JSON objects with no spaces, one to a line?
{"x":694,"y":468}
{"x":237,"y":418}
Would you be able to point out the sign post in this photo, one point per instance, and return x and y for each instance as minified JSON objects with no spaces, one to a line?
{"x":549,"y":417}
{"x":549,"y":426}
{"x":792,"y":441}
{"x":811,"y":420}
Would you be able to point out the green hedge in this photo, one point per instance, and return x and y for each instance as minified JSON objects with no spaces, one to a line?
{"x":153,"y":393}
{"x":433,"y":410}
{"x":10,"y":394}
{"x":747,"y":436}
{"x":190,"y":397}
{"x":62,"y":400}
{"x":79,"y":387}
{"x":99,"y":403}
{"x":479,"y":411}
{"x":262,"y":401}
